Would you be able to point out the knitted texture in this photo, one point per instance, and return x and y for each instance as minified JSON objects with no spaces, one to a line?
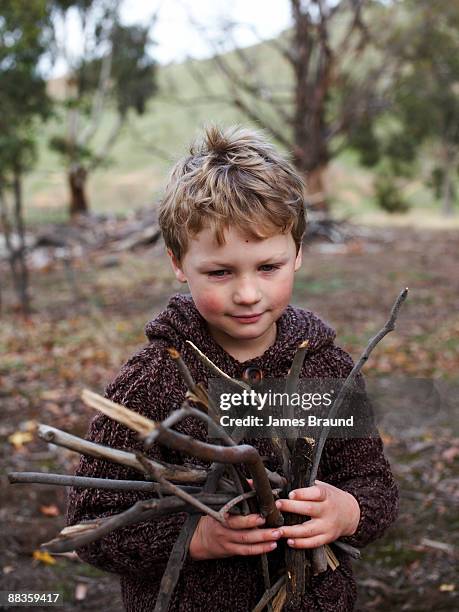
{"x":150,"y":384}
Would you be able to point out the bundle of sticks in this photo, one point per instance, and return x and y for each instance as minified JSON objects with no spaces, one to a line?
{"x":215,"y":491}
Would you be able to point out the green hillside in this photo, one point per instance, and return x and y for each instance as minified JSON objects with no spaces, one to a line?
{"x":139,"y":161}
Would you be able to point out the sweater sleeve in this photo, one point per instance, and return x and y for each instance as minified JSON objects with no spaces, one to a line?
{"x":141,"y":547}
{"x":358,"y":466}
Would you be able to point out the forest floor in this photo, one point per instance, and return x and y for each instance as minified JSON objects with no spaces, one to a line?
{"x":79,"y":335}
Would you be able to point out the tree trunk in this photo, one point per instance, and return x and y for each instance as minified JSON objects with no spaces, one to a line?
{"x":447,"y":189}
{"x":16,"y":254}
{"x":315,"y":186}
{"x":77,"y":176}
{"x":23,"y":276}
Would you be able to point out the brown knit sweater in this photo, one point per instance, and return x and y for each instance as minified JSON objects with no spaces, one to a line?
{"x":150,"y":383}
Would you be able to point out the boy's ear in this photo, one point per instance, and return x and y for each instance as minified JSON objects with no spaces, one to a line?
{"x":179,"y":275}
{"x":299,"y":258}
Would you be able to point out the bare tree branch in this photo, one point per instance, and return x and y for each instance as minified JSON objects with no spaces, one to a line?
{"x":171,"y":472}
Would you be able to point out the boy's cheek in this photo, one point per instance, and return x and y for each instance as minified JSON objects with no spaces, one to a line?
{"x":209,"y":303}
{"x":282,"y":292}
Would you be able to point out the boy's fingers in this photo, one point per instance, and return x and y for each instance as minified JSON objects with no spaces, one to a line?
{"x":251,"y":549}
{"x":314,"y":493}
{"x":313,"y":542}
{"x":236,"y":521}
{"x":308,"y":529}
{"x":255,"y":536}
{"x":309,"y":508}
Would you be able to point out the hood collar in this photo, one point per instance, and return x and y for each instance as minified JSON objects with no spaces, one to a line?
{"x":181,"y":321}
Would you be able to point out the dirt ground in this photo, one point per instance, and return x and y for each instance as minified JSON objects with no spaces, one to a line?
{"x":79,"y":336}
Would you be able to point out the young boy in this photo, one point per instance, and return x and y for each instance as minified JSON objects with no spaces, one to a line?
{"x":233,"y":222}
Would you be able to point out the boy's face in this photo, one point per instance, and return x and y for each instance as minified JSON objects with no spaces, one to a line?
{"x":240,"y":288}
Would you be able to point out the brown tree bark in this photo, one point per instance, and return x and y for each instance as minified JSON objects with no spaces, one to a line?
{"x":77,"y":176}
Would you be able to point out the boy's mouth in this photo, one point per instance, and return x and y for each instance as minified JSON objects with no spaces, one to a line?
{"x":247,"y":318}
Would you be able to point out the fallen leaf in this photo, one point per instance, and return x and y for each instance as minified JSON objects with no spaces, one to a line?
{"x":447,"y":587}
{"x":51,"y":395}
{"x":450,"y":454}
{"x":44,"y":557}
{"x":81,"y":590}
{"x":51,"y":510}
{"x":19,"y":438}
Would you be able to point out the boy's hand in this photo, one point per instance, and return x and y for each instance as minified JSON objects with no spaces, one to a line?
{"x":334,"y":513}
{"x":241,"y":536}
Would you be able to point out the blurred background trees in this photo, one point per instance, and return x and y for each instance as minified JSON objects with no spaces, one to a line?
{"x":24,"y":29}
{"x":366,"y":90}
{"x":115,"y":69}
{"x":422,"y":119}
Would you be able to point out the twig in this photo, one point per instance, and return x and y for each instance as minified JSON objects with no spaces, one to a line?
{"x":90,"y":483}
{"x":269,"y":594}
{"x":216,"y":370}
{"x":119,"y":413}
{"x":243,"y":453}
{"x":388,"y":327}
{"x":266,"y":577}
{"x":347,"y":548}
{"x":233,"y":502}
{"x":291,"y":385}
{"x":181,"y":546}
{"x":174,"y":417}
{"x":174,"y":490}
{"x":74,"y":443}
{"x":79,"y":535}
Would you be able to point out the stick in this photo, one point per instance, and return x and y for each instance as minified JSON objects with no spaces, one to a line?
{"x":269,"y":594}
{"x":90,"y":483}
{"x":174,"y":490}
{"x":297,"y":561}
{"x":291,"y":385}
{"x":76,"y":536}
{"x":169,"y":471}
{"x":216,"y":370}
{"x":243,"y":453}
{"x":181,"y":546}
{"x":119,"y":413}
{"x":233,"y":502}
{"x":196,"y":392}
{"x":388,"y":327}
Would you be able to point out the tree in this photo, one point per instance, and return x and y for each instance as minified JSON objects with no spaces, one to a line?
{"x":114,"y":70}
{"x":424,"y":109}
{"x":23,"y":100}
{"x":334,"y":65}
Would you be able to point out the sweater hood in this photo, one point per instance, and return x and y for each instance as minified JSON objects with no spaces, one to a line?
{"x":181,"y":321}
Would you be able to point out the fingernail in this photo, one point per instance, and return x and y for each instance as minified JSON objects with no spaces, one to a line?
{"x":273,"y":545}
{"x":292,"y":495}
{"x":276,"y":534}
{"x":260,"y":520}
{"x":290,"y":542}
{"x":278,"y":504}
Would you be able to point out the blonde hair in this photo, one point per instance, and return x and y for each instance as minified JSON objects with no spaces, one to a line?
{"x":233,"y":177}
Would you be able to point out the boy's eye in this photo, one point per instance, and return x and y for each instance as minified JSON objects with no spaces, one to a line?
{"x":218,"y":273}
{"x":268,"y":267}
{"x":264,"y":268}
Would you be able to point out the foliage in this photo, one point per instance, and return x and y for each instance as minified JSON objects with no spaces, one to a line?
{"x":114,"y":69}
{"x":23,"y":38}
{"x":425,"y":101}
{"x":388,"y":194}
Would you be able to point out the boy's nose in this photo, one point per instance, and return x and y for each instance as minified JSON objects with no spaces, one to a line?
{"x":247,"y":293}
